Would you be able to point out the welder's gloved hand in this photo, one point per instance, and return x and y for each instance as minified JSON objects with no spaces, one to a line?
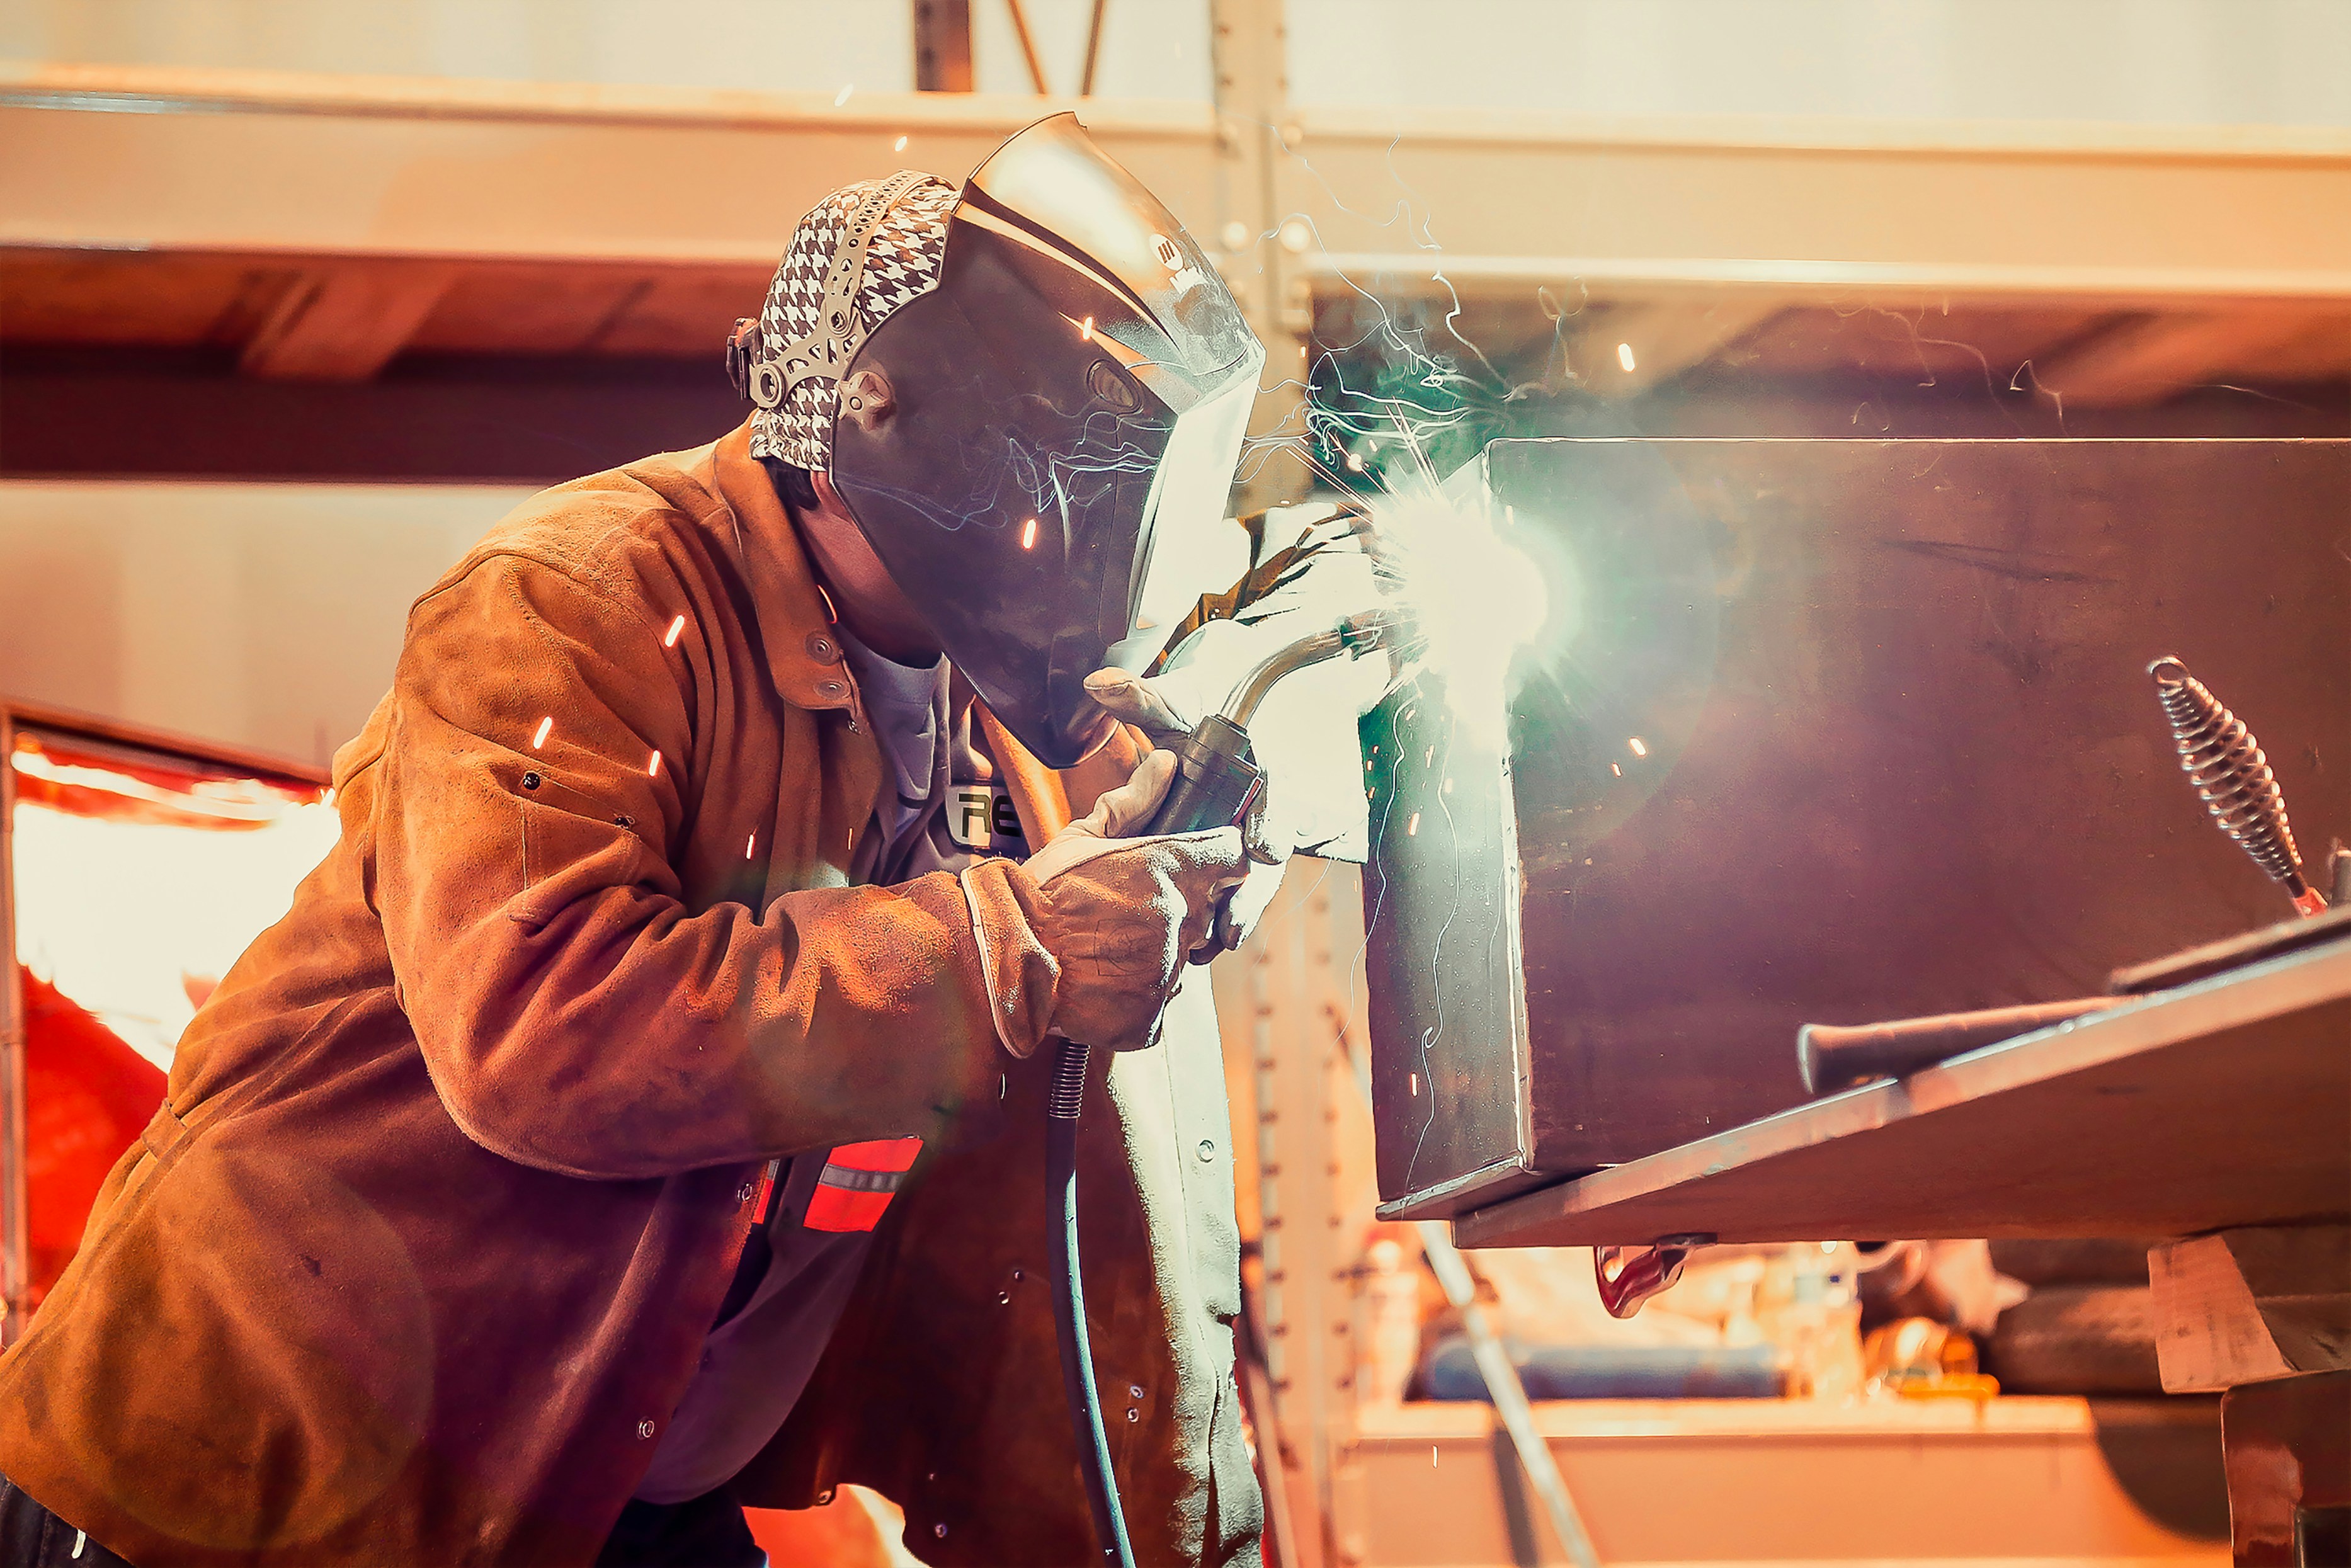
{"x":1120,"y":915}
{"x":1302,"y":739}
{"x":1150,"y":708}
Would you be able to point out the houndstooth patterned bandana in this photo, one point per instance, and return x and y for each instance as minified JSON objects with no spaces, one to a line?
{"x":907,"y":242}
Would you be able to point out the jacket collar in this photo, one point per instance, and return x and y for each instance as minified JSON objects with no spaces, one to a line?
{"x":796,"y":631}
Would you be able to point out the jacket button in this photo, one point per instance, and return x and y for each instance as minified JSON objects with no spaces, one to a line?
{"x":1207,"y":1150}
{"x":830,"y":688}
{"x":644,"y":1428}
{"x":743,"y":1194}
{"x":822,"y":649}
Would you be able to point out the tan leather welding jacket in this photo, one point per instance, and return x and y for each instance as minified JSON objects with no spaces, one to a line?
{"x":418,"y":1258}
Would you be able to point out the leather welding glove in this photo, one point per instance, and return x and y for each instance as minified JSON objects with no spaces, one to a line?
{"x":1139,"y":700}
{"x":1119,"y":914}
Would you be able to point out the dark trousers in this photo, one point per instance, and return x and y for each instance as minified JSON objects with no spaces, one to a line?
{"x":32,"y":1536}
{"x":709,"y":1531}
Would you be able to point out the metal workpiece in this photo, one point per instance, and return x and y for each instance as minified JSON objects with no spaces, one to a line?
{"x":1843,"y":731}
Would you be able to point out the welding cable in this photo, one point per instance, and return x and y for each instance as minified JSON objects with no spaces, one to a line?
{"x":1061,"y":1107}
{"x":1216,"y":783}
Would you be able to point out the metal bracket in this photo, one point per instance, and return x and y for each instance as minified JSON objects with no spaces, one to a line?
{"x":1628,"y":1276}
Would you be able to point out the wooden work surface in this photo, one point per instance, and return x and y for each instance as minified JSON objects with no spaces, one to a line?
{"x":2222,"y":1103}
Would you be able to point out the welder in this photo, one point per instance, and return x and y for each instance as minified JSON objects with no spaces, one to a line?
{"x":636,"y":1118}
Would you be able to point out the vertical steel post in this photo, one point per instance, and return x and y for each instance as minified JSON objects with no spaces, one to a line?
{"x":1312,"y":1206}
{"x":943,"y":46}
{"x":16,"y":1238}
{"x":1248,"y":47}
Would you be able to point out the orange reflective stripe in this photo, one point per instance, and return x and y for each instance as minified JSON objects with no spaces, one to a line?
{"x":858,"y":1181}
{"x":880,"y":1154}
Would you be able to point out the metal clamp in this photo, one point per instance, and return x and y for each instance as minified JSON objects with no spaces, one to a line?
{"x":1628,"y":1276}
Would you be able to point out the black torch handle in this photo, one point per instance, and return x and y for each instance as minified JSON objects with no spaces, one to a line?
{"x":1216,"y":779}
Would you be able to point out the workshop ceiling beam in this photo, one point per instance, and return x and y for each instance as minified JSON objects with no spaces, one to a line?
{"x":2144,"y":359}
{"x":346,"y":323}
{"x":250,"y":161}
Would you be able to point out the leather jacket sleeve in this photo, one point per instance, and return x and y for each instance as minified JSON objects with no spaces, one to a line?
{"x":575,"y":1014}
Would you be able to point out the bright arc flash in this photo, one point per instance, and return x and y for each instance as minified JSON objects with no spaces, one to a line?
{"x":1477,"y":598}
{"x":1624,"y":357}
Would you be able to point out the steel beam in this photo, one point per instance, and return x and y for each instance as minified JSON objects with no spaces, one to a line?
{"x":256,"y":163}
{"x":1393,"y":199}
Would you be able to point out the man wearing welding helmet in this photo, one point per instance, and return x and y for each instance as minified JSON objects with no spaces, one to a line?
{"x":638,"y":1115}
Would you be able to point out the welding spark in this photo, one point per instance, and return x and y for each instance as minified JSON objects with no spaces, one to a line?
{"x":1477,"y":600}
{"x":544,"y":726}
{"x":675,"y":627}
{"x":899,"y":146}
{"x":1624,"y":357}
{"x":1028,"y":533}
{"x":653,"y":768}
{"x":1640,"y":747}
{"x":750,"y":844}
{"x":1086,"y":332}
{"x":842,"y":96}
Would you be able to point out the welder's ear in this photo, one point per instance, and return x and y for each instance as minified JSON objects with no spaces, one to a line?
{"x":826,"y":496}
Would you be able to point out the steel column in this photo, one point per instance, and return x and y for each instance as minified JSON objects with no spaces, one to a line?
{"x":16,"y":1240}
{"x":1249,"y":47}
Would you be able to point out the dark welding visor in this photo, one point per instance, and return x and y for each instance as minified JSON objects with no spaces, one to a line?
{"x":1010,"y":440}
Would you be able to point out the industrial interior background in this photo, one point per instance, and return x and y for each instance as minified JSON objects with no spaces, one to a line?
{"x":297,"y":300}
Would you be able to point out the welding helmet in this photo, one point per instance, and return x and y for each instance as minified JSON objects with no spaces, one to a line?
{"x":1011,"y":386}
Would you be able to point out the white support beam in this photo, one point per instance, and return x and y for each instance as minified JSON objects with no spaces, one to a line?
{"x":1502,"y":202}
{"x":246,"y":163}
{"x":187,"y":159}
